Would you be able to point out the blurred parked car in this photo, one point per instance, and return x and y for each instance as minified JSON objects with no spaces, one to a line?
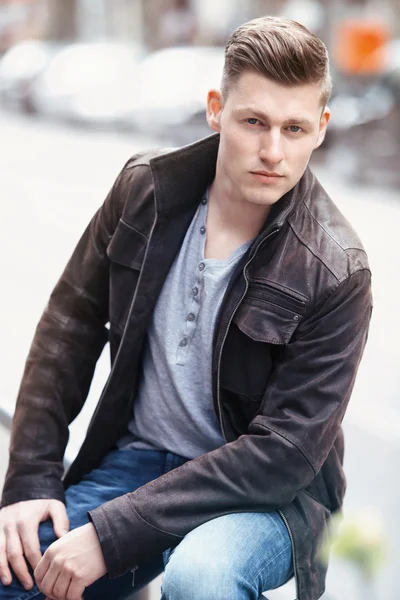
{"x":19,"y":67}
{"x":171,"y":91}
{"x":91,"y":83}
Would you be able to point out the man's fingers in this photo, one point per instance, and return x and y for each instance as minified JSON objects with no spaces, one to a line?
{"x":5,"y":573}
{"x":60,"y":587}
{"x":29,"y":536}
{"x":46,"y":581}
{"x":42,"y":568}
{"x":58,"y":513}
{"x":15,"y":556}
{"x":75,"y":590}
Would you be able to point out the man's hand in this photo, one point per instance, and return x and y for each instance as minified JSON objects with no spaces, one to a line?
{"x":71,"y":564}
{"x":19,"y":525}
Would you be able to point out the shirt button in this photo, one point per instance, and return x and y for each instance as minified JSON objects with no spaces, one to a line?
{"x":296,"y":318}
{"x":195,"y":291}
{"x":190,"y":317}
{"x":202,"y":229}
{"x":201,"y":266}
{"x":204,"y":201}
{"x":183,"y":342}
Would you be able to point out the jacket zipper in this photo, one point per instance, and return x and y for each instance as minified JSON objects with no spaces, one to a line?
{"x":133,"y":571}
{"x":229,"y":324}
{"x":219,"y":395}
{"x":293,"y":553}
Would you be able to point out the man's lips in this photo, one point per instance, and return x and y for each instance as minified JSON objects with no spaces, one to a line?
{"x":266,"y":173}
{"x":266,"y":177}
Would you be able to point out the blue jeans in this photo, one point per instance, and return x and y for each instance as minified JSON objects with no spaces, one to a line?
{"x":236,"y":556}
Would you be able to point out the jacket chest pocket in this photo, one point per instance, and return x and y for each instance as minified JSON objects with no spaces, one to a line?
{"x":126,"y":252}
{"x":270,"y":314}
{"x":262,"y":325}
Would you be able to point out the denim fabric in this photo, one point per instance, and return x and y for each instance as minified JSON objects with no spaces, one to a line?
{"x":239,"y":555}
{"x":236,"y":557}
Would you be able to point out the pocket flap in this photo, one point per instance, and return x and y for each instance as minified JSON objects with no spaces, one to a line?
{"x":269,"y":315}
{"x":127,"y":246}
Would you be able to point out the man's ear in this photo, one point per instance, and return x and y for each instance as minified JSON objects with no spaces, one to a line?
{"x":323,"y":124}
{"x":214,"y":108}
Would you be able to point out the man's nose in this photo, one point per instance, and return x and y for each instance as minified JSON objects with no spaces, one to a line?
{"x":271,"y":151}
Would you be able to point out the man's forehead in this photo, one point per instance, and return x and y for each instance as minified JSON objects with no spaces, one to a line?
{"x":256,"y":92}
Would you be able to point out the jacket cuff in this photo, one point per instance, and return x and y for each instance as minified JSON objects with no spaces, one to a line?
{"x":20,"y":492}
{"x":126,"y":538}
{"x":32,"y":481}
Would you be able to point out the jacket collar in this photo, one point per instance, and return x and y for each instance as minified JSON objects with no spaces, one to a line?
{"x":181,"y":176}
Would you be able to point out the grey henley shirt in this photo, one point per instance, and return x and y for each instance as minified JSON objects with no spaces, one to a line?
{"x":174,"y":409}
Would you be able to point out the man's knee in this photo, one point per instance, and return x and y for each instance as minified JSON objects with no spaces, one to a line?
{"x":198,"y":576}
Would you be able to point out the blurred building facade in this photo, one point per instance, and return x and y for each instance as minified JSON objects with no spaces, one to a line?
{"x":161,"y":23}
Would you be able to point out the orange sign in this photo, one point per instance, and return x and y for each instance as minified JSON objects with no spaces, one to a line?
{"x":360,"y":46}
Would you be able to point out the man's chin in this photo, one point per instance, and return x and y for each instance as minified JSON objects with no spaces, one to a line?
{"x":263,"y":199}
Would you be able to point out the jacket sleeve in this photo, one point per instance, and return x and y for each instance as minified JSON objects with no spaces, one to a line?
{"x":286,"y":444}
{"x":67,"y":344}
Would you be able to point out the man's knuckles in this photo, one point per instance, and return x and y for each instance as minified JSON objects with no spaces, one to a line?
{"x":23,"y":522}
{"x":60,"y":562}
{"x":9,"y":528}
{"x":13,"y":554}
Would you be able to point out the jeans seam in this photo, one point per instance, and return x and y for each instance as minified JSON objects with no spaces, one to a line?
{"x":288,"y":545}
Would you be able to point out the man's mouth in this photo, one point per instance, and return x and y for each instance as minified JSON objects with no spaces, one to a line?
{"x":267,"y":173}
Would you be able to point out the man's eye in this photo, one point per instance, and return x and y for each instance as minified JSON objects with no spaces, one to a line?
{"x":252,"y":121}
{"x":295,"y":128}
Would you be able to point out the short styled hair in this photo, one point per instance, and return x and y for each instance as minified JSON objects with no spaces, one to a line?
{"x":282,"y":50}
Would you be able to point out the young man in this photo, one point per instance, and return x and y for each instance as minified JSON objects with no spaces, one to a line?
{"x":238,"y":302}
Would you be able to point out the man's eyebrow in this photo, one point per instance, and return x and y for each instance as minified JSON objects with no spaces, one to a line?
{"x":297,"y":121}
{"x":265,"y":118}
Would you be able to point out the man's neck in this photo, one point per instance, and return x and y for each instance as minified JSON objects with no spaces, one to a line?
{"x":231,"y":221}
{"x":230,"y":212}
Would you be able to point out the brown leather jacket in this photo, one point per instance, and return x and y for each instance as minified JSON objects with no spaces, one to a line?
{"x":290,"y":335}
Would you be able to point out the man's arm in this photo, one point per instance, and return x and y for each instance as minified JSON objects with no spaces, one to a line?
{"x":67,"y":344}
{"x":286,"y":445}
{"x":58,"y":372}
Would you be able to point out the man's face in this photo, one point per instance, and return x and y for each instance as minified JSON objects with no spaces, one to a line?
{"x":268,"y":132}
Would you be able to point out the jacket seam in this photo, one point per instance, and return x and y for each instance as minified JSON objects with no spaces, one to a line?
{"x":50,"y":487}
{"x":293,"y":223}
{"x":119,"y":210}
{"x":335,"y":290}
{"x":134,"y":229}
{"x":119,"y":327}
{"x":111,"y":537}
{"x":155,"y":526}
{"x":291,"y":442}
{"x":261,"y":280}
{"x":328,"y":234}
{"x":313,"y":251}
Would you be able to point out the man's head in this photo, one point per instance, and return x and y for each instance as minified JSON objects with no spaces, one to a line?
{"x":279,"y":49}
{"x":271,"y":109}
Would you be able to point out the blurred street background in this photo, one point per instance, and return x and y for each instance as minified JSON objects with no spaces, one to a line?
{"x":84,"y":84}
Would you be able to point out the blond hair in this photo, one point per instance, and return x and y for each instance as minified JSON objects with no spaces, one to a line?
{"x":282,"y":50}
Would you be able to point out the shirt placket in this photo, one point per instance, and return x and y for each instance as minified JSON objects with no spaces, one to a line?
{"x":194,"y":307}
